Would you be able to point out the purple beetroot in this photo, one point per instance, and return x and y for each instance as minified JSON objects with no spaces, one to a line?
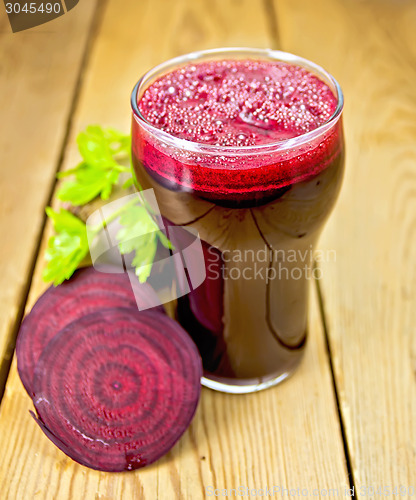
{"x":87,"y":291}
{"x":116,"y":389}
{"x":114,"y":386}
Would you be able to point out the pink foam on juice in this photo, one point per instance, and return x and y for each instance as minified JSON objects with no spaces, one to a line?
{"x":236,"y":103}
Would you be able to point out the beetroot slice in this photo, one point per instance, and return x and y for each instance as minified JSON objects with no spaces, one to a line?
{"x":87,"y":291}
{"x":117,"y":388}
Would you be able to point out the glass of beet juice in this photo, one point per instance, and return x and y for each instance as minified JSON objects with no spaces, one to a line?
{"x":246,"y":147}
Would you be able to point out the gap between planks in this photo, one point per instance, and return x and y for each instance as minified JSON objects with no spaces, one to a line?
{"x":7,"y":362}
{"x":321,"y":305}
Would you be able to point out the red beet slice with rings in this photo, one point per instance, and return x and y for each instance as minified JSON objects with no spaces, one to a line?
{"x":87,"y":291}
{"x":116,"y":389}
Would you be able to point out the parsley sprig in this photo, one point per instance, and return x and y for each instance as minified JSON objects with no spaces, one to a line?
{"x":67,"y":248}
{"x":100,"y":169}
{"x":104,"y":155}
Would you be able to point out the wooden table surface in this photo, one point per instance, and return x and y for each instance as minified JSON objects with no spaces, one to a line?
{"x":348,"y":416}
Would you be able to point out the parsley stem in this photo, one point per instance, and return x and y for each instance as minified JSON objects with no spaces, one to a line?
{"x":95,"y":230}
{"x":120,"y":168}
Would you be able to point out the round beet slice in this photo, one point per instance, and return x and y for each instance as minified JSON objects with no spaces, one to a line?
{"x":87,"y":291}
{"x":117,"y":388}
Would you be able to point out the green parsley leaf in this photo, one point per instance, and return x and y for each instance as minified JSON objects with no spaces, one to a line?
{"x":140,"y":234}
{"x":143,"y":260}
{"x":101,"y":150}
{"x":136,"y":221}
{"x":67,"y":248}
{"x":95,"y":148}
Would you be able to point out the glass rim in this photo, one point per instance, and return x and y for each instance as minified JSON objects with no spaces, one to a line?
{"x":200,"y":147}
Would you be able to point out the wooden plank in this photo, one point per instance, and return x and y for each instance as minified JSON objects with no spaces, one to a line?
{"x":369,"y":292}
{"x":288,"y":436}
{"x":39,"y":72}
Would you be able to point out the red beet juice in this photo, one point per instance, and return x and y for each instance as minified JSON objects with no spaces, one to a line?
{"x":246,"y":147}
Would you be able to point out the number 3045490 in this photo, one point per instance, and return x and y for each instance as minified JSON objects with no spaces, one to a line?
{"x":33,"y":8}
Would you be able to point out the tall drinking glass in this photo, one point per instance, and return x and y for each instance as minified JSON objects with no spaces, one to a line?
{"x":259,"y":210}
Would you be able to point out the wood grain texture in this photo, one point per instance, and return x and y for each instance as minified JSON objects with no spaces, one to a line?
{"x":39,"y":72}
{"x":369,"y":292}
{"x":287,"y":436}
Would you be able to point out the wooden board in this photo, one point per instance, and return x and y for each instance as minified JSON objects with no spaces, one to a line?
{"x":369,"y":292}
{"x":39,"y":74}
{"x":288,"y":436}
